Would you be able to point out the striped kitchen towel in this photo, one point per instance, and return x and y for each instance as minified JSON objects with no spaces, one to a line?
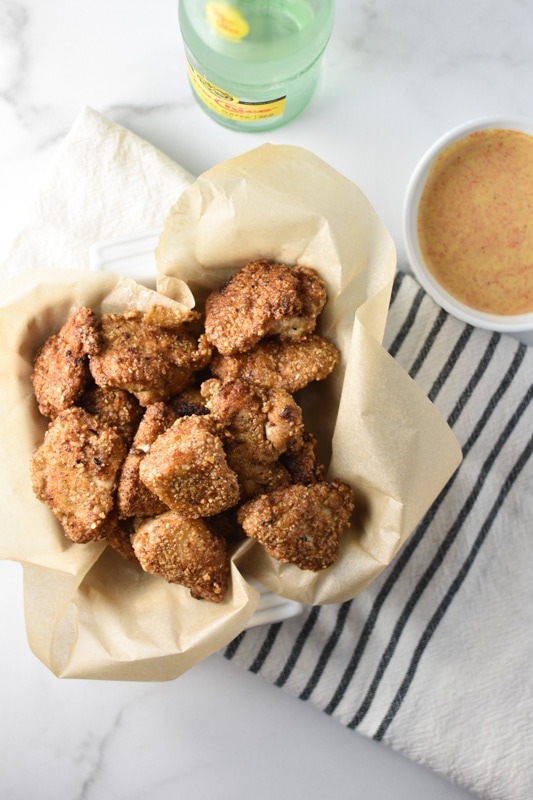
{"x":435,"y":657}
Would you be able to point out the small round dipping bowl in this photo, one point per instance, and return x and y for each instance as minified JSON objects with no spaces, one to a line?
{"x":496,"y":322}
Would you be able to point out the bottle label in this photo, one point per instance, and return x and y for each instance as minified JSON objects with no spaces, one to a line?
{"x":226,"y":21}
{"x":225,"y":104}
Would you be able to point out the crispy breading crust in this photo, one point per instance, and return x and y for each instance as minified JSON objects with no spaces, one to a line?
{"x":302,"y":461}
{"x":75,"y":472}
{"x":117,"y":533}
{"x":266,"y":422}
{"x":263,"y":298}
{"x":284,"y":425}
{"x":134,"y":498}
{"x":151,"y":361}
{"x":115,"y":407}
{"x":187,"y":469}
{"x":300,"y":524}
{"x":289,"y":365}
{"x":184,"y":551}
{"x":189,"y":401}
{"x":225,"y":526}
{"x":60,"y":365}
{"x":258,"y":478}
{"x":157,"y":418}
{"x":257,"y":426}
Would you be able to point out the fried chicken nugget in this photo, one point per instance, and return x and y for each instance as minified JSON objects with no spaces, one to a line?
{"x":184,"y":551}
{"x":186,"y":468}
{"x":134,"y":498}
{"x":226,"y":527}
{"x":75,"y":471}
{"x":300,"y":524}
{"x":265,"y":422}
{"x":257,"y":478}
{"x":263,"y":299}
{"x":189,"y":401}
{"x":284,"y":425}
{"x":115,"y":407}
{"x":151,"y":360}
{"x":117,"y":533}
{"x":302,"y":461}
{"x":289,"y":365}
{"x":60,"y":366}
{"x":258,"y":425}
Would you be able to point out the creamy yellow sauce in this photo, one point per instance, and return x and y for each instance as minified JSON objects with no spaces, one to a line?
{"x":475,"y":221}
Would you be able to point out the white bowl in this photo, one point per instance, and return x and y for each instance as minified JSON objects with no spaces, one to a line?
{"x":507,"y":323}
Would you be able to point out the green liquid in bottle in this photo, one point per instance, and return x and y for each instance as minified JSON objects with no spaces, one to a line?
{"x":254,"y":64}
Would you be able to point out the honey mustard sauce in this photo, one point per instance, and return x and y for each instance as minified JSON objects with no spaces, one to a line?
{"x":475,"y":221}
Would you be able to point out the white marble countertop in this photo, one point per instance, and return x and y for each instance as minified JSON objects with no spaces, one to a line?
{"x":395,"y":77}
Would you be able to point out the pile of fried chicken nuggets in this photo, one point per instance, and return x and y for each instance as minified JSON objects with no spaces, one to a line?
{"x":172,"y":442}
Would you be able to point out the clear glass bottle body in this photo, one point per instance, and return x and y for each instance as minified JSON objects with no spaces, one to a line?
{"x":253,"y":64}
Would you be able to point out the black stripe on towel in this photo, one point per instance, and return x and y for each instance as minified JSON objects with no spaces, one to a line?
{"x":443,"y":375}
{"x":266,"y":647}
{"x":298,"y":646}
{"x":233,"y":646}
{"x":396,"y":286}
{"x":452,"y":591}
{"x":408,"y":323}
{"x":344,"y":608}
{"x":476,"y":377}
{"x":440,"y":319}
{"x":437,"y":560}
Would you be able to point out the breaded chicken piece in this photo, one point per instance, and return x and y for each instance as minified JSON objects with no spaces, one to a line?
{"x":238,"y":409}
{"x":263,"y":299}
{"x":75,"y":472}
{"x":186,"y":552}
{"x":266,"y":422}
{"x":284,"y":425}
{"x":157,"y":418}
{"x":258,"y":425}
{"x":186,"y":468}
{"x":226,"y":527}
{"x":189,"y":401}
{"x":117,"y":533}
{"x":115,"y":407}
{"x":134,"y":499}
{"x":289,"y":365}
{"x":256,"y":477}
{"x":60,"y":365}
{"x":302,"y":461}
{"x":171,"y":318}
{"x":301,"y":524}
{"x":151,"y":361}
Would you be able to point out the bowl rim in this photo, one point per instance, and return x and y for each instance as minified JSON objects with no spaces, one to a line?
{"x":495,"y":322}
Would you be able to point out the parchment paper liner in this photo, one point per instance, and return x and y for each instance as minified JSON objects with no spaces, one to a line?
{"x":89,"y":613}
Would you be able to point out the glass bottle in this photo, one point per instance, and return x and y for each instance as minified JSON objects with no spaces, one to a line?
{"x":253,"y":64}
